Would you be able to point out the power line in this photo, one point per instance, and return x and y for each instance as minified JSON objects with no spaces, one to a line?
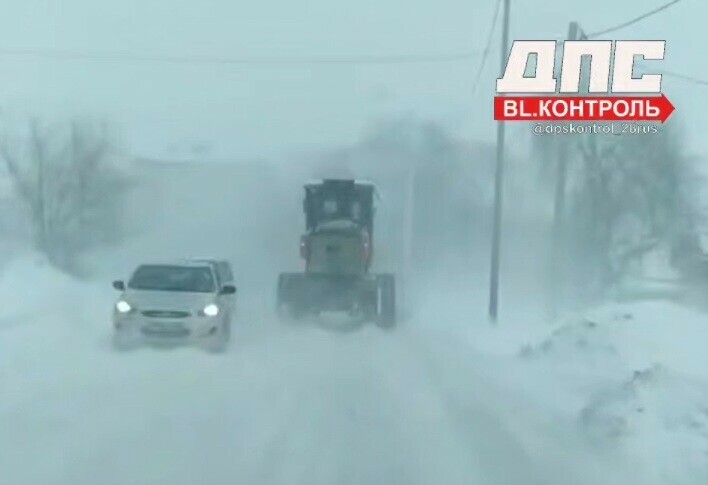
{"x":250,"y":61}
{"x":634,"y":20}
{"x":678,"y":75}
{"x":487,"y":47}
{"x":684,"y":77}
{"x":672,"y":74}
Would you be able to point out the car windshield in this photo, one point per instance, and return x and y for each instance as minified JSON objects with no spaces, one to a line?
{"x":173,"y":278}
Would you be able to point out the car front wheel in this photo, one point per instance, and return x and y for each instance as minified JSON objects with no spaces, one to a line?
{"x":218,"y":341}
{"x":122,"y":342}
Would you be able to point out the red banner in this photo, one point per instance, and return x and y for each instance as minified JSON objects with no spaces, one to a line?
{"x":582,"y":108}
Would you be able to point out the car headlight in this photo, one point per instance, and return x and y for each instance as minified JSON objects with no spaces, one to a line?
{"x":123,"y":307}
{"x":211,"y":310}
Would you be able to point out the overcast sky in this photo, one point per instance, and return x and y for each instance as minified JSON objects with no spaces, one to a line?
{"x":261,"y":110}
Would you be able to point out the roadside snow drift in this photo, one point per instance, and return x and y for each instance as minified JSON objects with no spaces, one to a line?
{"x":636,"y":377}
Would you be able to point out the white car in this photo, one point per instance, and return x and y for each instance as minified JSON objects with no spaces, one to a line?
{"x":182,"y":302}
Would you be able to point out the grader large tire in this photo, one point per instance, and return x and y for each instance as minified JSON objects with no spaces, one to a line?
{"x":386,"y":301}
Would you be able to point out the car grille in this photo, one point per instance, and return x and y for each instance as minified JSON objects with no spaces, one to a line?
{"x":165,"y":314}
{"x":164,"y":330}
{"x":175,"y":333}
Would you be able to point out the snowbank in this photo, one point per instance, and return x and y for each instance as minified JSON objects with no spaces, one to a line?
{"x":30,"y":286}
{"x":44,"y":314}
{"x":636,"y":379}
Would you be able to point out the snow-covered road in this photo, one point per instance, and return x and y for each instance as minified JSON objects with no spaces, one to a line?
{"x":286,"y":405}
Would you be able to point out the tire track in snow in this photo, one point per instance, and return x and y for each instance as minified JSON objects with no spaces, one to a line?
{"x":507,"y":426}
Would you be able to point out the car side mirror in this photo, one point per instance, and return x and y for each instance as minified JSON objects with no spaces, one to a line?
{"x":119,"y":285}
{"x":228,"y":290}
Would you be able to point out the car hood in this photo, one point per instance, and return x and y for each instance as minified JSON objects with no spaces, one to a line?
{"x":167,"y":300}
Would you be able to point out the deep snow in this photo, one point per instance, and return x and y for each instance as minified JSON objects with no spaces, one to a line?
{"x":311,"y":405}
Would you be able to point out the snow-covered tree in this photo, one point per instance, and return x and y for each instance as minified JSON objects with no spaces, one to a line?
{"x":625,"y":195}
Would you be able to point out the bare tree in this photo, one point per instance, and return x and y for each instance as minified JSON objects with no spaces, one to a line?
{"x":72,"y":193}
{"x":626,"y":196}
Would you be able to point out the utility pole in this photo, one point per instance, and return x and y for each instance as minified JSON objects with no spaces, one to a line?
{"x":409,"y":234}
{"x":498,"y":186}
{"x":558,"y":250}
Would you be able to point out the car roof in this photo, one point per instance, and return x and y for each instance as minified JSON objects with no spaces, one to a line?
{"x":208,"y":260}
{"x":189,"y":263}
{"x":317,"y":182}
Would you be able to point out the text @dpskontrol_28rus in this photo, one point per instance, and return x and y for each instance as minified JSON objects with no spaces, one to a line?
{"x":541,"y":129}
